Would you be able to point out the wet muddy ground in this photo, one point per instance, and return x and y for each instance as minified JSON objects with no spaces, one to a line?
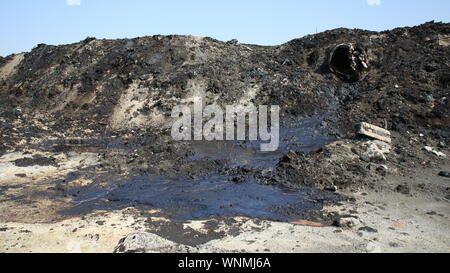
{"x":231,"y":188}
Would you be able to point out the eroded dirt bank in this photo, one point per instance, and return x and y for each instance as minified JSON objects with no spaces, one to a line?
{"x":86,"y":155}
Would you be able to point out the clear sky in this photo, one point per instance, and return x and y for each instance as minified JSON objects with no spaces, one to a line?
{"x":25,"y":23}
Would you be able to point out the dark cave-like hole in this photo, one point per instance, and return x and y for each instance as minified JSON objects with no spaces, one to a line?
{"x":340,"y":61}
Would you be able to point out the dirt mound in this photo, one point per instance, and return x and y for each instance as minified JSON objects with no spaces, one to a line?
{"x":102,"y":77}
{"x":396,"y":79}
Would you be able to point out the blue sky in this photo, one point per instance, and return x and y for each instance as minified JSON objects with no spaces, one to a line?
{"x":25,"y":23}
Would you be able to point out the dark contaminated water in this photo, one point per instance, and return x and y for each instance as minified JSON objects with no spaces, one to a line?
{"x":305,"y":135}
{"x":215,"y":194}
{"x":203,"y":198}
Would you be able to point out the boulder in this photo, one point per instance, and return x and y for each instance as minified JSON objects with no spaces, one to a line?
{"x":150,"y":243}
{"x":374,"y":151}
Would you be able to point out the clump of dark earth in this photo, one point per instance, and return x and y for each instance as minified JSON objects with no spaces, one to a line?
{"x":115,"y":97}
{"x":404,"y":189}
{"x":36,"y":161}
{"x":368,"y":229}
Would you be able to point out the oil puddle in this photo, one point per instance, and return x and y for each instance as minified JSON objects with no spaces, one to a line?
{"x":305,"y":135}
{"x":88,"y":145}
{"x":214,"y":194}
{"x":185,"y":199}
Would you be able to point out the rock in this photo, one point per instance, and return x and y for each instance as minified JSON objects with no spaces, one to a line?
{"x":331,"y":188}
{"x":368,"y":229}
{"x":394,"y":244}
{"x":382,"y":169}
{"x":150,"y":243}
{"x":403,"y":189}
{"x":233,"y":42}
{"x":444,"y":174}
{"x":348,"y":222}
{"x":373,"y":131}
{"x":146,"y":242}
{"x":437,"y":153}
{"x":374,"y":151}
{"x":238,"y":179}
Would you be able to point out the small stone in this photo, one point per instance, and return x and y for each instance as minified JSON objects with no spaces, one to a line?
{"x":444,"y":174}
{"x":437,"y":153}
{"x":382,"y":169}
{"x":394,"y":245}
{"x":403,"y":189}
{"x":331,"y":188}
{"x":238,"y":179}
{"x":233,"y":42}
{"x":368,"y":229}
{"x":348,"y":222}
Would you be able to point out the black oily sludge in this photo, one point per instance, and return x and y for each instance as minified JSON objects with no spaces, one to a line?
{"x":238,"y":189}
{"x":210,"y":196}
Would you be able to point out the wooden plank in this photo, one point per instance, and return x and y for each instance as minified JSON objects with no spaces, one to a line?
{"x":374,"y":132}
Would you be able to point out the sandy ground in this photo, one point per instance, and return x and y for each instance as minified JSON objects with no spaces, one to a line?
{"x":92,"y":234}
{"x":384,"y":221}
{"x":408,"y":225}
{"x":403,"y":226}
{"x":10,"y":67}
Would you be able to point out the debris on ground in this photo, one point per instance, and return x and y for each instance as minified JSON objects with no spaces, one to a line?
{"x":431,"y":150}
{"x":307,"y":223}
{"x":374,"y":132}
{"x":348,"y":222}
{"x":150,"y":243}
{"x":374,"y":151}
